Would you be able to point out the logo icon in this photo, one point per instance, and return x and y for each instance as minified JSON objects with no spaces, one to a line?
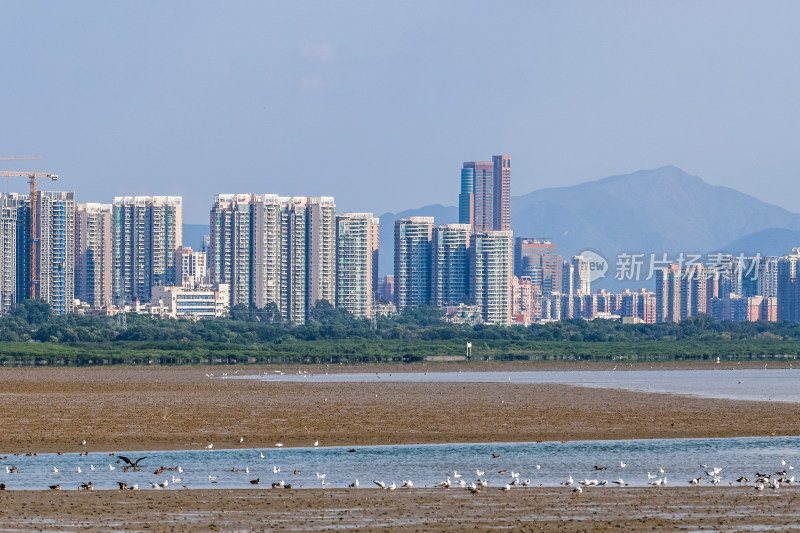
{"x":598,"y":266}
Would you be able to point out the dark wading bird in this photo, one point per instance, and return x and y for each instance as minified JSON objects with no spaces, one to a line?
{"x":134,"y":464}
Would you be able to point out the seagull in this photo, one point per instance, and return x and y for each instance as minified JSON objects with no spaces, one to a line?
{"x":210,"y":445}
{"x":262,"y":455}
{"x":91,"y":467}
{"x":278,"y":444}
{"x":577,"y":490}
{"x":134,"y":487}
{"x":526,"y":482}
{"x":479,"y":472}
{"x":620,"y":482}
{"x":111,"y":467}
{"x":622,"y":464}
{"x":212,"y":479}
{"x":392,"y":486}
{"x":538,"y":467}
{"x":651,"y":476}
{"x":55,"y":470}
{"x":696,"y":481}
{"x":176,"y":479}
{"x":83,"y":443}
{"x":444,"y":484}
{"x":316,"y":443}
{"x":80,"y":471}
{"x":569,"y":482}
{"x":321,"y":476}
{"x":408,"y":484}
{"x":276,"y":469}
{"x":381,"y":484}
{"x":354,"y":484}
{"x":241,"y":440}
{"x":506,"y":487}
{"x":456,"y":474}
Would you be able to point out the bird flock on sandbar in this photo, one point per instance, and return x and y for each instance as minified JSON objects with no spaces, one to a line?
{"x":503,"y":479}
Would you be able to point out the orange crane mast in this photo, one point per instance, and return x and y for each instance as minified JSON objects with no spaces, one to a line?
{"x":32,"y":177}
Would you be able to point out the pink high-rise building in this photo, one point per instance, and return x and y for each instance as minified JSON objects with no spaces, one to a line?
{"x":485,"y":199}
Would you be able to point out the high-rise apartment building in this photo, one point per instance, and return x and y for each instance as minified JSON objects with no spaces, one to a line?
{"x":787,"y":286}
{"x":485,"y":198}
{"x":492,"y":266}
{"x":308,"y":258}
{"x":56,"y":261}
{"x":581,"y":272}
{"x":501,"y":211}
{"x":266,"y":256}
{"x":194,"y":268}
{"x":693,"y":289}
{"x":321,"y":250}
{"x":412,"y":261}
{"x":539,"y":260}
{"x":476,"y":200}
{"x":148,"y":237}
{"x":768,"y":277}
{"x":668,"y":294}
{"x":450,"y":268}
{"x":231,"y":225}
{"x":274,"y":250}
{"x":357,"y":237}
{"x":641,"y":305}
{"x":94,"y":263}
{"x":526,"y":300}
{"x":567,"y":278}
{"x":23,"y":203}
{"x":9,"y":213}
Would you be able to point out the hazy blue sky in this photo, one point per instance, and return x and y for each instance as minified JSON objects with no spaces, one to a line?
{"x":378,"y":103}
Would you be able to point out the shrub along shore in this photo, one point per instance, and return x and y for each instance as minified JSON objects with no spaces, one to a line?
{"x":34,"y":337}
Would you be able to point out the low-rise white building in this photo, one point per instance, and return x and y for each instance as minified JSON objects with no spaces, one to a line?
{"x":182,"y":302}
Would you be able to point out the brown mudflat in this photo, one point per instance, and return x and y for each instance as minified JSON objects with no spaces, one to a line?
{"x":124,"y":408}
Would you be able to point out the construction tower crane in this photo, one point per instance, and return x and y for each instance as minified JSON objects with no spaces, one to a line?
{"x":32,"y":177}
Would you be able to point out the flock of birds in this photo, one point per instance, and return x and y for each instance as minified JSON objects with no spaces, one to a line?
{"x":709,"y":475}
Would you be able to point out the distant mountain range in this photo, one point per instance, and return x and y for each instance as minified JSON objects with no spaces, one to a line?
{"x":664,"y":210}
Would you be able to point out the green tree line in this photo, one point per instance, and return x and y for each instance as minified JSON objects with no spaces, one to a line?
{"x":31,"y":334}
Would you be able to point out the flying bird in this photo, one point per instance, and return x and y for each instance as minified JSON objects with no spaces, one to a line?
{"x":134,"y":464}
